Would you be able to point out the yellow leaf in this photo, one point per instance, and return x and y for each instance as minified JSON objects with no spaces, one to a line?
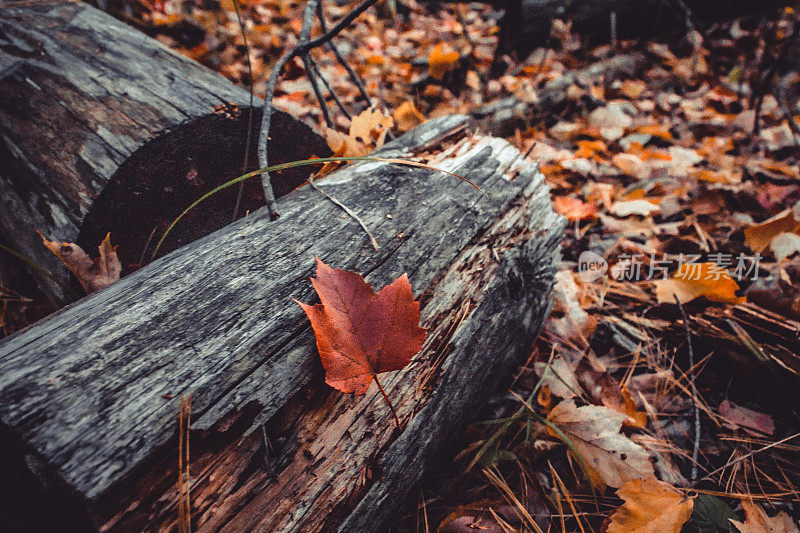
{"x":757,"y":521}
{"x":758,"y":236}
{"x":407,"y":116}
{"x":370,"y":127}
{"x":343,"y":146}
{"x":93,"y":274}
{"x":651,"y":506}
{"x":610,"y":457}
{"x":439,"y":61}
{"x":693,"y":280}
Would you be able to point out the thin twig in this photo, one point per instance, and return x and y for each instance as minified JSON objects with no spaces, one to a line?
{"x":303,"y":46}
{"x":249,"y":111}
{"x":354,"y":77}
{"x":696,"y":447}
{"x":349,"y":212}
{"x":312,"y":78}
{"x":748,"y":455}
{"x":318,"y":74}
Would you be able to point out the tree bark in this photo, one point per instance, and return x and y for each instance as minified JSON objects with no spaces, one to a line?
{"x":92,"y":107}
{"x":92,"y":392}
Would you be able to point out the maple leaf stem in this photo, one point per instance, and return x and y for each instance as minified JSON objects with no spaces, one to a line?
{"x":386,"y":397}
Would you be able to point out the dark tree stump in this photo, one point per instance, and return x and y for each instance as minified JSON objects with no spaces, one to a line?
{"x":91,"y":107}
{"x":91,"y":393}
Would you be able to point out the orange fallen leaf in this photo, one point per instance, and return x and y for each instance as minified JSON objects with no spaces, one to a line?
{"x":693,"y":280}
{"x":651,"y":506}
{"x":758,"y":236}
{"x":361,"y":334}
{"x":575,"y":209}
{"x":93,"y":274}
{"x":407,"y":116}
{"x":757,"y":521}
{"x":439,"y":61}
{"x":593,"y":431}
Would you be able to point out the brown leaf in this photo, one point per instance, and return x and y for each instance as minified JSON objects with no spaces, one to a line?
{"x":93,"y":274}
{"x":610,"y":457}
{"x":651,"y":506}
{"x":757,"y":521}
{"x":604,"y":389}
{"x":361,"y":334}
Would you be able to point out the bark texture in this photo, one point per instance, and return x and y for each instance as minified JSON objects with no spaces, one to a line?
{"x":81,"y":95}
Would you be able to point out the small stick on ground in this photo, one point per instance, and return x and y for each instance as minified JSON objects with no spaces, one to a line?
{"x":350,"y":212}
{"x":696,"y":446}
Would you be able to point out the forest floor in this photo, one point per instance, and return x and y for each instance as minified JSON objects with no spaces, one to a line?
{"x":663,"y":392}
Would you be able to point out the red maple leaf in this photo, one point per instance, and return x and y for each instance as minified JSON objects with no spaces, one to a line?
{"x":361,"y":334}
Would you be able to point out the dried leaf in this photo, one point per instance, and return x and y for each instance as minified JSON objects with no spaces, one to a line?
{"x":651,"y":506}
{"x":602,"y":388}
{"x":594,"y":431}
{"x":407,"y":116}
{"x":439,"y":61}
{"x":693,"y":280}
{"x":361,"y":334}
{"x":758,"y":236}
{"x":785,"y":244}
{"x":757,"y":521}
{"x":370,"y":127}
{"x":93,"y":274}
{"x":343,"y":146}
{"x":737,"y":416}
{"x":575,"y":209}
{"x":634,"y":207}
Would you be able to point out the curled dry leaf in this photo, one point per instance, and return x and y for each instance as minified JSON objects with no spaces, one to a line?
{"x":93,"y":274}
{"x":693,"y":280}
{"x":361,"y":334}
{"x":567,"y":380}
{"x":440,"y":61}
{"x":639,"y":207}
{"x":610,"y":457}
{"x":651,"y":506}
{"x":757,"y":521}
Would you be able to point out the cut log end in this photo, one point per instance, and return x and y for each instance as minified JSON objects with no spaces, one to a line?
{"x":166,"y":175}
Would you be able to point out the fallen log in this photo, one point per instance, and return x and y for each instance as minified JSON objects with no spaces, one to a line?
{"x":526,"y":24}
{"x":90,"y":394}
{"x":103,"y":129}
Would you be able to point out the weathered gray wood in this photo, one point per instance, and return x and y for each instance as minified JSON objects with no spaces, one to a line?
{"x":93,"y":390}
{"x":80,"y":92}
